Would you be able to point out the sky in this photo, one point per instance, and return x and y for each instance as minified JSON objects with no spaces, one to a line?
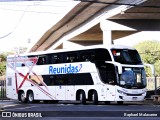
{"x":22,"y":24}
{"x":136,"y":38}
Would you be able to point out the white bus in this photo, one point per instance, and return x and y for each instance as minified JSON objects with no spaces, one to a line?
{"x":110,"y":73}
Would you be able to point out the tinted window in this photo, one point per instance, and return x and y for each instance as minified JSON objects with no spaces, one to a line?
{"x":102,"y":55}
{"x":68,"y":79}
{"x":80,"y":79}
{"x":41,"y":60}
{"x":95,"y":55}
{"x":55,"y":58}
{"x":88,"y":56}
{"x":126,"y":56}
{"x":107,"y":72}
{"x":71,"y":57}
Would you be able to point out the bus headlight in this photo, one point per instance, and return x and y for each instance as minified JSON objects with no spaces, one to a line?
{"x":121,"y":92}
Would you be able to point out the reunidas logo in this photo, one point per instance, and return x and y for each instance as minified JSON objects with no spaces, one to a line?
{"x":65,"y":69}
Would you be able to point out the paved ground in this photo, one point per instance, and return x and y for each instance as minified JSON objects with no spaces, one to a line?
{"x":74,"y":110}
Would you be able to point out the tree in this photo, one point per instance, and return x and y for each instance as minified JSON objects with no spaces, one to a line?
{"x":150,"y":53}
{"x":3,"y":64}
{"x":3,"y":58}
{"x":2,"y":68}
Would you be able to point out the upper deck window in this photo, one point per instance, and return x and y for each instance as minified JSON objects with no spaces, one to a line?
{"x":126,"y":56}
{"x":103,"y":55}
{"x":95,"y":55}
{"x":41,"y":60}
{"x":21,"y":61}
{"x":71,"y":57}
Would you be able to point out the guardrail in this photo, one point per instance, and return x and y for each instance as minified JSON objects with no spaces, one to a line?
{"x":3,"y":89}
{"x":151,"y":83}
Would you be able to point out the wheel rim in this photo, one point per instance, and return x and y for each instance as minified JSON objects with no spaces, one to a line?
{"x":92,"y":97}
{"x":80,"y":97}
{"x":30,"y":97}
{"x":23,"y":97}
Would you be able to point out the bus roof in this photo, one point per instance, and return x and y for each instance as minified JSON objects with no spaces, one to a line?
{"x":80,"y":48}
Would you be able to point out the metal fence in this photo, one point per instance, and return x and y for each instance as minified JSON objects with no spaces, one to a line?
{"x":3,"y":89}
{"x":151,"y":83}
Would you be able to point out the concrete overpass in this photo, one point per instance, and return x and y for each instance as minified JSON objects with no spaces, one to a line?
{"x":101,"y":22}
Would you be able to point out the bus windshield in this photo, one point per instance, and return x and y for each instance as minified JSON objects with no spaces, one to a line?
{"x":133,"y":78}
{"x":126,"y":56}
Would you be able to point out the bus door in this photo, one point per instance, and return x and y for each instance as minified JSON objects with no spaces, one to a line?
{"x":108,"y":76}
{"x":111,"y":82}
{"x":111,"y":93}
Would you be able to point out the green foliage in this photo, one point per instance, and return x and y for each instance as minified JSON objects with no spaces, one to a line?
{"x":3,"y":58}
{"x":3,"y":64}
{"x":150,"y":53}
{"x":2,"y":68}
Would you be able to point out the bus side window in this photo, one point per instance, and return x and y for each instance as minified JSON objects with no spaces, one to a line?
{"x":107,"y":72}
{"x":41,"y":60}
{"x":73,"y":57}
{"x":103,"y":55}
{"x":111,"y":73}
{"x":87,"y":56}
{"x":61,"y":80}
{"x":54,"y":59}
{"x":23,"y":65}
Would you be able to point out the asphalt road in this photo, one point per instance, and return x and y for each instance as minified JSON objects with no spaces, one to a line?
{"x":74,"y":111}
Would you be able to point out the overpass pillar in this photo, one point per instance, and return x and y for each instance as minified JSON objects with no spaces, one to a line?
{"x":107,"y":37}
{"x":107,"y":33}
{"x":108,"y":27}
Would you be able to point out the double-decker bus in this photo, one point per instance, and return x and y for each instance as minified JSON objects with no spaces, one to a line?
{"x":97,"y":73}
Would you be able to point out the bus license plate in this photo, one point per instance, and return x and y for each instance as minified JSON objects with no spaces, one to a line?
{"x":134,"y":98}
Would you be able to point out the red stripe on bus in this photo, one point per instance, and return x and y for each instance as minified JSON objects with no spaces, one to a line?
{"x":26,"y":78}
{"x":16,"y":82}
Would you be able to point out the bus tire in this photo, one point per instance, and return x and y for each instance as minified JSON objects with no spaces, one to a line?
{"x":30,"y":97}
{"x":22,"y":97}
{"x":120,"y":102}
{"x":82,"y":97}
{"x":95,"y":97}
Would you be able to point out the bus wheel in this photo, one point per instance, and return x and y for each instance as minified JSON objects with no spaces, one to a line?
{"x":22,"y":97}
{"x":82,"y":97}
{"x":30,"y":97}
{"x":95,"y":98}
{"x":120,"y":102}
